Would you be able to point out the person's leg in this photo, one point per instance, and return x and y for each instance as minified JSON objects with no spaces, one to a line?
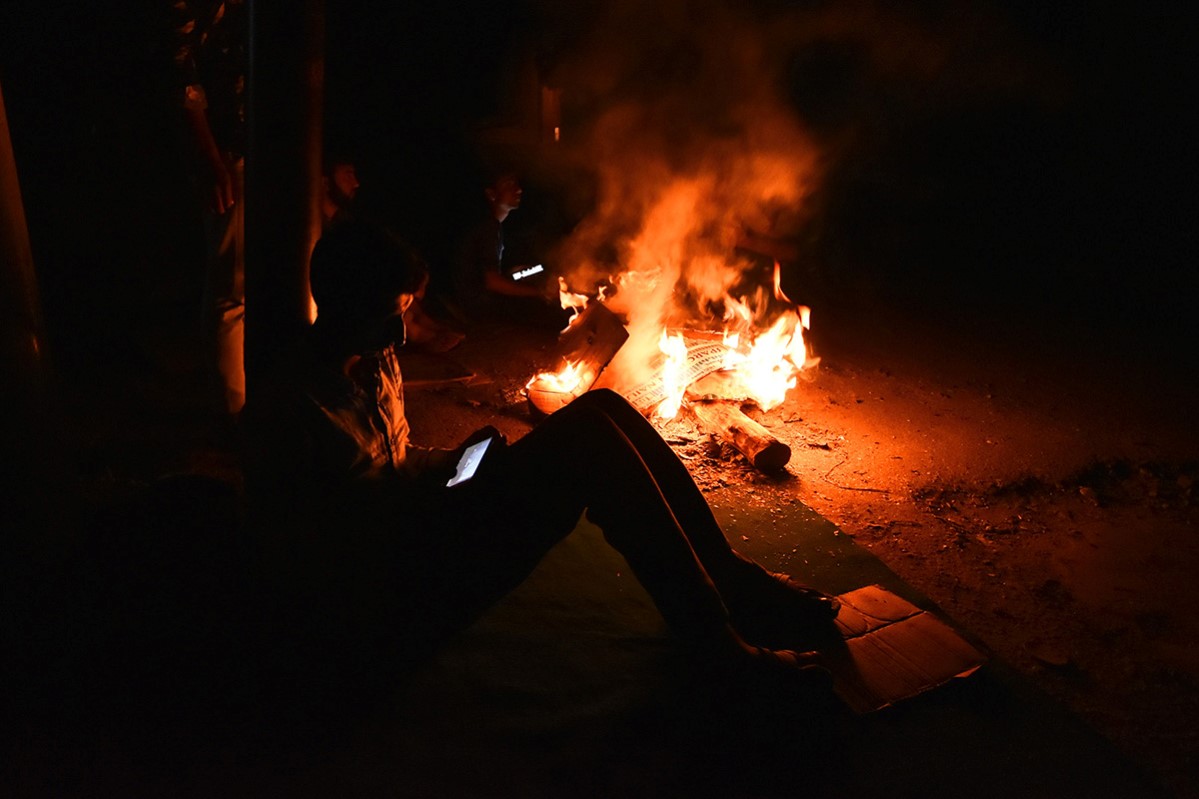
{"x":581,"y":458}
{"x":770,"y":608}
{"x":686,"y":501}
{"x":510,"y":515}
{"x":224,"y":298}
{"x":485,"y":537}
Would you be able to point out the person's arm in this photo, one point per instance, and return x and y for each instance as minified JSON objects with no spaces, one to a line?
{"x":482,"y":258}
{"x":192,"y":99}
{"x":221,"y":191}
{"x":431,"y":465}
{"x":498,"y":283}
{"x":438,"y":465}
{"x":425,"y":330}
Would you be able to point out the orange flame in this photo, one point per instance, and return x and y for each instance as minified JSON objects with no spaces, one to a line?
{"x":565,"y":381}
{"x":673,"y":371}
{"x":769,"y":369}
{"x":570,"y":300}
{"x":760,"y":365}
{"x":766,"y":369}
{"x":763,"y":365}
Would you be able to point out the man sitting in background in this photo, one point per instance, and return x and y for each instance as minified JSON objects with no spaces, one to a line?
{"x":340,"y":186}
{"x":485,"y":286}
{"x":339,"y":183}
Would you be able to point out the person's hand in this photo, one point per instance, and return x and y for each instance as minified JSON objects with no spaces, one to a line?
{"x":221,"y":194}
{"x":220,"y":189}
{"x":551,"y":291}
{"x":441,"y":466}
{"x":443,"y":463}
{"x":452,"y":456}
{"x":479,"y":435}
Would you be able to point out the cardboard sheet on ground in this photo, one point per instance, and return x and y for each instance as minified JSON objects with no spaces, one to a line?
{"x":894,"y":650}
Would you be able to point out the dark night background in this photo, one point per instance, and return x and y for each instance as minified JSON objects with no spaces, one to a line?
{"x":1067,"y":195}
{"x":1038,"y":175}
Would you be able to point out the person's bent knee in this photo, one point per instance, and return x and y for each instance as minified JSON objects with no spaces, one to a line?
{"x":597,"y":402}
{"x":607,"y":400}
{"x":605,"y":395}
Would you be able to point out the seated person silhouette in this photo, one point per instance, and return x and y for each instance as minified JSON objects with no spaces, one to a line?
{"x":486,"y":287}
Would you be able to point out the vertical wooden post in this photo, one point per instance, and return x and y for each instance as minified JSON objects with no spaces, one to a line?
{"x":30,"y":448}
{"x":24,"y":342}
{"x":283,"y":173}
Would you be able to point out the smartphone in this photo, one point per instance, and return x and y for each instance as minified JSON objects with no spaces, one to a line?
{"x":468,"y":464}
{"x":521,"y":274}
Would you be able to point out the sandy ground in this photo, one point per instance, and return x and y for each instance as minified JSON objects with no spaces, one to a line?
{"x":1034,"y":480}
{"x":1037,"y":487}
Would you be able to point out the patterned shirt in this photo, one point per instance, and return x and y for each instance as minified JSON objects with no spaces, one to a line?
{"x":366,"y":434}
{"x":321,"y":442}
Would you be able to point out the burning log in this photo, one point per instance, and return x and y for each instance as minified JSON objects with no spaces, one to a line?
{"x":585,"y":348}
{"x":751,"y":439}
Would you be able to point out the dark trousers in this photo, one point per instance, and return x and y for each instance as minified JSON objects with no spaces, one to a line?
{"x":600,"y":456}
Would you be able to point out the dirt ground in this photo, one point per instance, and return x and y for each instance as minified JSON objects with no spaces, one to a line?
{"x":1040,"y":491}
{"x":1032,"y":477}
{"x":1037,"y":485}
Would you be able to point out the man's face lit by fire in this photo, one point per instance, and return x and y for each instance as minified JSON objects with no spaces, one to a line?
{"x":342,"y":184}
{"x":387,"y":328}
{"x":505,"y":195}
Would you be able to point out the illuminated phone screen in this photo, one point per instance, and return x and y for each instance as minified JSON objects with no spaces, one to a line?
{"x":532,"y":270}
{"x":468,"y":464}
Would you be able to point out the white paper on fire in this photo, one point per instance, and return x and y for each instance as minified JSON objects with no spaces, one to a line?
{"x":703,"y":358}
